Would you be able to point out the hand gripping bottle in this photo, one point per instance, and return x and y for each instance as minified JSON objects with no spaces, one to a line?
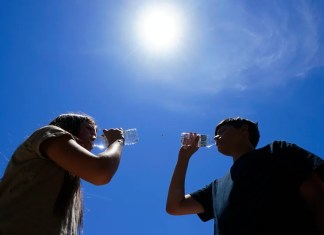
{"x":204,"y":140}
{"x":130,"y":136}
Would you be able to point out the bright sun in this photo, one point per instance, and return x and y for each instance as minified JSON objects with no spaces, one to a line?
{"x":160,"y":28}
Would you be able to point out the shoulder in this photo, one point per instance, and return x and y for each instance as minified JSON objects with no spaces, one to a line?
{"x":296,"y":157}
{"x":49,"y":131}
{"x":279,"y":145}
{"x":290,"y":149}
{"x":287,"y":150}
{"x":33,"y":142}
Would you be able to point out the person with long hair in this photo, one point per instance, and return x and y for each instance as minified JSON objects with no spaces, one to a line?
{"x":40,"y":189}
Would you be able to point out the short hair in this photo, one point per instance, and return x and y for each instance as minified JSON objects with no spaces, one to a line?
{"x":254,"y":134}
{"x":71,"y":122}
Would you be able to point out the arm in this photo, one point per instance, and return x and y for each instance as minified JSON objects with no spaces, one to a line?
{"x":69,"y":155}
{"x":312,"y":190}
{"x":177,"y":202}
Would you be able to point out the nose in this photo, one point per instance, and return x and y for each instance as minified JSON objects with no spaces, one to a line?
{"x":93,"y":137}
{"x":216,"y":138}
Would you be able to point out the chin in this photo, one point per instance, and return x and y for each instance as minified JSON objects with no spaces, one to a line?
{"x":89,"y":148}
{"x":219,"y":149}
{"x":223,"y":151}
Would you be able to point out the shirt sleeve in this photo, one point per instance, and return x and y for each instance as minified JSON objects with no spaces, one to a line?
{"x":204,"y":197}
{"x":32,"y":144}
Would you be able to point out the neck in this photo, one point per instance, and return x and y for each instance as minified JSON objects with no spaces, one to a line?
{"x":241,"y":151}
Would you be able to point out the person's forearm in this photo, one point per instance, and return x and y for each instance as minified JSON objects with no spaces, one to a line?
{"x":111,"y":158}
{"x":176,"y":192}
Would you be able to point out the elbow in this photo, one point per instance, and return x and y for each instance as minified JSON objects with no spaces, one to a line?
{"x":104,"y":178}
{"x":171,"y":210}
{"x":105,"y":172}
{"x":101,"y":181}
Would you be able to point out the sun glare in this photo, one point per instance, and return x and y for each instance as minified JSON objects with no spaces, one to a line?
{"x":160,"y":28}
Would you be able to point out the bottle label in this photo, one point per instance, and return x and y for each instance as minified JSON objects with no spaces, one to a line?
{"x":204,"y":140}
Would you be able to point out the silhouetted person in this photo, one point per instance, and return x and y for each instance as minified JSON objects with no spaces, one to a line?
{"x":276,"y":189}
{"x":40,"y":190}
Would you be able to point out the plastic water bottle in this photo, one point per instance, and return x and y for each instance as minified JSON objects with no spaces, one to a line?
{"x":130,"y":137}
{"x":204,"y":140}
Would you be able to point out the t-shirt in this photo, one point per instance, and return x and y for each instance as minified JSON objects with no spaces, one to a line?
{"x":29,"y":189}
{"x":265,"y":197}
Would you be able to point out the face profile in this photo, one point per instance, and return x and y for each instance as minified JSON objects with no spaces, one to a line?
{"x":58,"y":156}
{"x":248,"y":192}
{"x":87,"y":135}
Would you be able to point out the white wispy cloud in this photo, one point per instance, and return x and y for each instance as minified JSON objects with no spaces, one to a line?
{"x":264,"y":45}
{"x":239,"y":46}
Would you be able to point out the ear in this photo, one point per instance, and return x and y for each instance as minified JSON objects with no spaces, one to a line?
{"x":244,"y":129}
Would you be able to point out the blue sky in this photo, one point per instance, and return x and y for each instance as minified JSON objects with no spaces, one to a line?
{"x":263,"y":60}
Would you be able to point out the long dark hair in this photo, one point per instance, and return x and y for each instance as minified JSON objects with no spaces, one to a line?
{"x":69,"y":200}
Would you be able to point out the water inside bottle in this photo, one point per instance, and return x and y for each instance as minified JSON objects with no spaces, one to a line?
{"x":100,"y":142}
{"x":131,"y":136}
{"x":204,"y":140}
